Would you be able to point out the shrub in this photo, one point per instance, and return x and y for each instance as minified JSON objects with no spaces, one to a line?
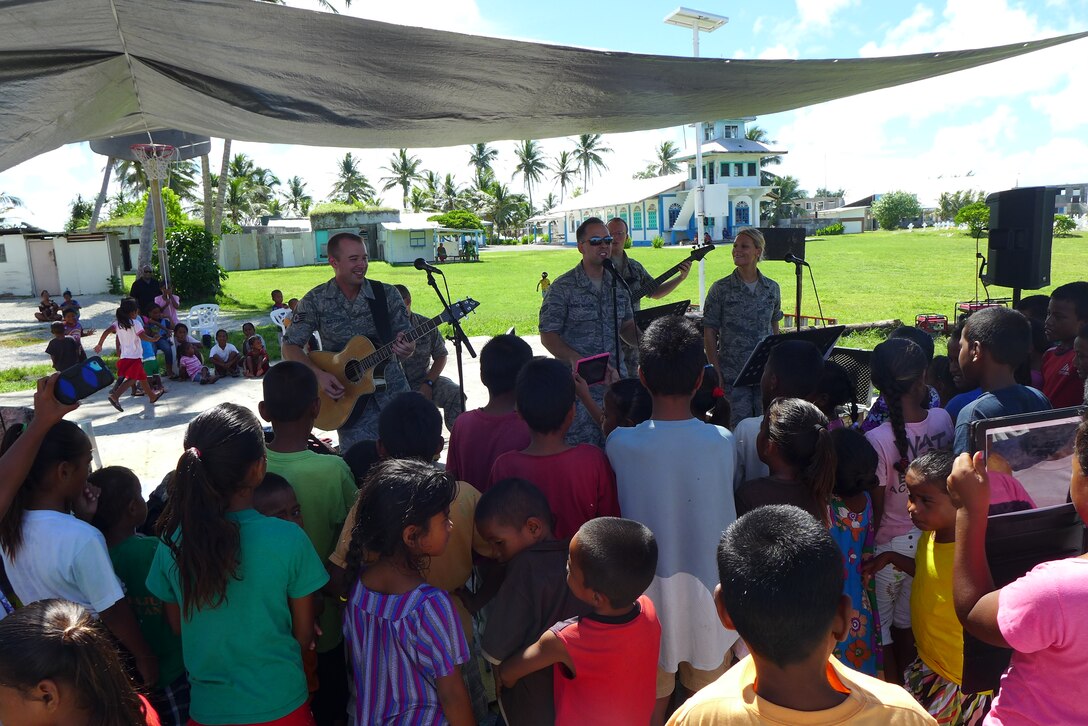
{"x":1064,"y":225}
{"x":657,"y":242}
{"x":830,"y":229}
{"x":895,"y":206}
{"x":458,"y":219}
{"x":194,"y":272}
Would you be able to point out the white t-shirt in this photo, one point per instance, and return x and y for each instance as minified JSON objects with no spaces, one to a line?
{"x":222,"y":353}
{"x":129,"y":340}
{"x":934,"y":432}
{"x":62,"y":557}
{"x":749,"y":465}
{"x":676,"y":477}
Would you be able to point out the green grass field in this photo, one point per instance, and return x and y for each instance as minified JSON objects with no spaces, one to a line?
{"x":860,"y":278}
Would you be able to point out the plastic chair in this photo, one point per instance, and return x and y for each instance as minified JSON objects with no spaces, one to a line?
{"x":203,"y":318}
{"x":278,"y":316}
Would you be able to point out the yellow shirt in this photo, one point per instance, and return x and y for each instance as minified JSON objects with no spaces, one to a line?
{"x":732,"y":700}
{"x":937,"y":630}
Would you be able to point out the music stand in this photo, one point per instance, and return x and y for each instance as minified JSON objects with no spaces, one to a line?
{"x":822,"y":338}
{"x":644,"y":317}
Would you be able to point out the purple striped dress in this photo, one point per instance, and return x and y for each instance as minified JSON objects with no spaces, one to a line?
{"x":399,"y":645}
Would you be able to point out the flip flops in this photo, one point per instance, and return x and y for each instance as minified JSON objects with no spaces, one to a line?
{"x":115,"y":403}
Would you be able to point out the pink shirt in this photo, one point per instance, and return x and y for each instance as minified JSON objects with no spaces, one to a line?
{"x":1044,"y":617}
{"x":192,"y":364}
{"x":935,"y":432}
{"x":578,"y":483}
{"x":169,"y":311}
{"x":478,"y":439}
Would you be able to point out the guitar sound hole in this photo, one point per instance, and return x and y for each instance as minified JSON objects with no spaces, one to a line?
{"x":353,"y":371}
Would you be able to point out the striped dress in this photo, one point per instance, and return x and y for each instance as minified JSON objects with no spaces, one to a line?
{"x":399,"y":646}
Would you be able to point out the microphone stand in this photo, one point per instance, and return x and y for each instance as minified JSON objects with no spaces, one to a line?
{"x":615,"y":312}
{"x":459,"y":336}
{"x":798,"y":264}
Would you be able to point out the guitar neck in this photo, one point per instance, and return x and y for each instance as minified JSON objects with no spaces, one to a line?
{"x":661,"y":279}
{"x":386,"y":351}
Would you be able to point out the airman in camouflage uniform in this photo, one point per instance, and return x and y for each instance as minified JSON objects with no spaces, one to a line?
{"x":737,"y":314}
{"x":422,"y":375}
{"x":576,"y":319}
{"x":639,"y":280}
{"x":339,"y":310}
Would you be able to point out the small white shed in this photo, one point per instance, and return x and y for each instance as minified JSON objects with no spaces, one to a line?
{"x":34,"y":261}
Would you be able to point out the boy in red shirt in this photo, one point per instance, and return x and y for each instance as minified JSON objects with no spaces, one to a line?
{"x":605,"y":663}
{"x":1067,"y":311}
{"x":577,"y":480}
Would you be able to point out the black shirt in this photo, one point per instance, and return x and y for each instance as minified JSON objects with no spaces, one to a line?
{"x":145,"y":292}
{"x":65,"y":352}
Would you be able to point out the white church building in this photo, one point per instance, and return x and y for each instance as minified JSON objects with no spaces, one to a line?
{"x":665,"y":206}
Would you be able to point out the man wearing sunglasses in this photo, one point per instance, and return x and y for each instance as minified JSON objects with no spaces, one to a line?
{"x":577,"y":320}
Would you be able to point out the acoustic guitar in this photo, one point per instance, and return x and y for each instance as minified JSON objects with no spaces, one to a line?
{"x":360,"y":367}
{"x":697,"y":253}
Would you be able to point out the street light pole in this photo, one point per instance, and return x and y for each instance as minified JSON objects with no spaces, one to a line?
{"x":706,"y":22}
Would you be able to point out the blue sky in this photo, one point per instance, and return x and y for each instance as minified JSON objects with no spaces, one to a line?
{"x":1018,"y":122}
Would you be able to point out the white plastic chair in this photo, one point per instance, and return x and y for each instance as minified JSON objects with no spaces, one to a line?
{"x":279,"y":316}
{"x":203,"y":320}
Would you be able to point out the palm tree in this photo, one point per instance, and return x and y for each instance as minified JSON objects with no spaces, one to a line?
{"x":550,"y":203}
{"x":665,"y":158}
{"x":351,"y":185}
{"x":182,"y":180}
{"x":587,"y":150}
{"x":449,"y":195}
{"x":481,"y":156}
{"x":238,"y":201}
{"x":132,"y":177}
{"x":241,"y":166}
{"x":262,"y":188}
{"x":788,"y":188}
{"x":296,"y":199}
{"x":8,"y":202}
{"x":504,"y":209}
{"x":531,"y":165}
{"x":566,"y":169}
{"x":403,"y":170}
{"x":755,"y":133}
{"x":419,"y":200}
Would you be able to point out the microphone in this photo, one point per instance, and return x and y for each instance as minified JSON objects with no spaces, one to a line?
{"x":610,"y":266}
{"x":790,"y":257}
{"x":421,"y":264}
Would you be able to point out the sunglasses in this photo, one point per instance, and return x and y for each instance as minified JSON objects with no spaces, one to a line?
{"x":596,"y":241}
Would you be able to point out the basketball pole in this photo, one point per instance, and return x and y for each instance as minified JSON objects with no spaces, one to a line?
{"x":160,"y":230}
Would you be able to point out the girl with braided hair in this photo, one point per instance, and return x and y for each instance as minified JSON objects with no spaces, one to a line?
{"x":912,"y":428}
{"x":405,"y":642}
{"x":236,"y":584}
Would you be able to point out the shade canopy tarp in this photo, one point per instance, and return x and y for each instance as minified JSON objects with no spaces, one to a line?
{"x":73,"y":70}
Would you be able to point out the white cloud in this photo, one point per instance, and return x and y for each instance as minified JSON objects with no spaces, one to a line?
{"x":820,"y":12}
{"x":778,"y":52}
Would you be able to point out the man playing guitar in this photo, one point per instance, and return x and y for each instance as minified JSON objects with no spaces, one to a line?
{"x":346,"y":306}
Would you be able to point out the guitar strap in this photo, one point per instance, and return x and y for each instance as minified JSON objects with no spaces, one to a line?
{"x":379,"y":311}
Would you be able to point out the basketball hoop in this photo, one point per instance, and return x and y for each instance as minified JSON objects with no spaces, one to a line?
{"x":155,"y":159}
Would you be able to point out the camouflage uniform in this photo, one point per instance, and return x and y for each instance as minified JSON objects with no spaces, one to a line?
{"x":582,"y":316}
{"x":338,"y":320}
{"x":445,"y":393}
{"x":742,"y":318}
{"x":641,"y":284}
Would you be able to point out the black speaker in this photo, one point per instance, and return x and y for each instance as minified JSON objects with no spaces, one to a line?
{"x":1021,"y":233}
{"x":782,"y":241}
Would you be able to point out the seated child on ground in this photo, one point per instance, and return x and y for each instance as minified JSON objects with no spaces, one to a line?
{"x":191,"y":366}
{"x":1041,"y":616}
{"x":63,"y":351}
{"x":249,"y":332}
{"x":514,"y":518}
{"x":781,"y":588}
{"x":479,"y":436}
{"x":121,"y":509}
{"x":224,"y":356}
{"x":577,"y":480}
{"x":48,"y":311}
{"x":255,"y":361}
{"x":605,"y":662}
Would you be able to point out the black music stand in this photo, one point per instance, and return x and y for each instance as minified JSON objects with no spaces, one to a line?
{"x":822,"y":338}
{"x":644,"y":317}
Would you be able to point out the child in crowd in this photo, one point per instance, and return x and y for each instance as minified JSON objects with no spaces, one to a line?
{"x":50,"y":552}
{"x":1039,"y":346}
{"x":605,"y":662}
{"x":277,"y":300}
{"x":899,"y":368}
{"x":964,"y":392}
{"x":72,"y":327}
{"x":410,"y":427}
{"x":150,"y":358}
{"x":670,"y":472}
{"x":191,"y":366}
{"x":224,"y":356}
{"x":1081,"y":359}
{"x":1034,"y":307}
{"x":577,"y":480}
{"x":796,"y":446}
{"x":543,"y":284}
{"x":255,"y":362}
{"x":793,"y":370}
{"x":168,"y":302}
{"x":781,"y":587}
{"x":1067,"y":311}
{"x":626,"y":403}
{"x":59,"y":667}
{"x":155,"y":323}
{"x":130,"y":366}
{"x":994,"y":343}
{"x":935,"y":676}
{"x":121,"y":509}
{"x":69,"y":303}
{"x":481,"y":435}
{"x":939,"y":378}
{"x":181,"y":336}
{"x":48,"y":311}
{"x":710,"y":404}
{"x":879,"y":413}
{"x":405,"y":645}
{"x":835,"y":391}
{"x":326,"y":490}
{"x":514,"y":518}
{"x":852,"y":529}
{"x":249,"y":332}
{"x":63,"y":351}
{"x":210,"y":537}
{"x":1041,"y":615}
{"x":275,"y":497}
